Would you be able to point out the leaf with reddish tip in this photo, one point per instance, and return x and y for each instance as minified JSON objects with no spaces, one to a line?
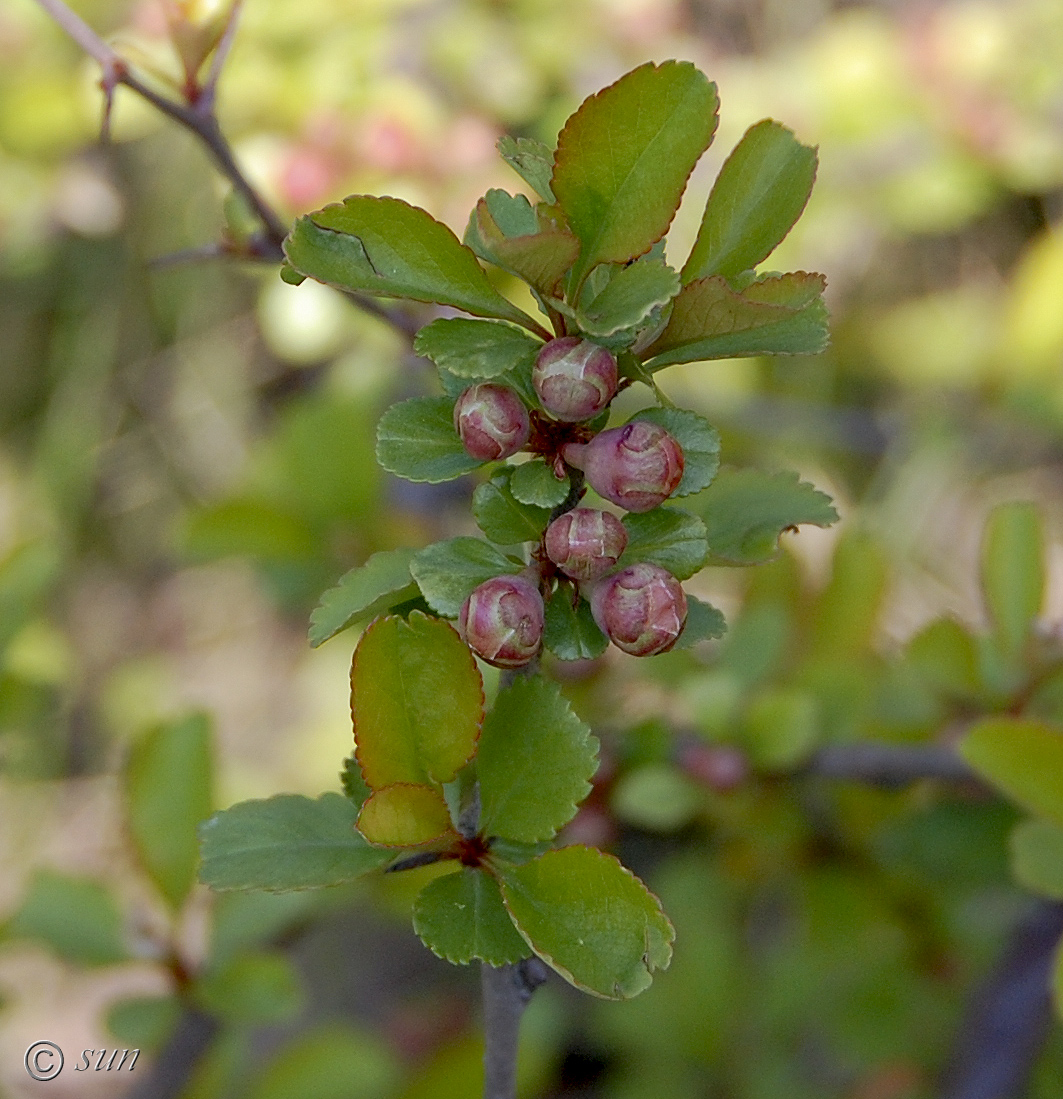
{"x":387,"y":247}
{"x":417,"y":701}
{"x":760,"y":192}
{"x":405,"y":815}
{"x":624,"y":157}
{"x":589,"y":918}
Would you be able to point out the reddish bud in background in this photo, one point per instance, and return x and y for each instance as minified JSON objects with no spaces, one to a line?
{"x":642,"y":609}
{"x":637,"y":466}
{"x":502,"y":621}
{"x":575,"y":379}
{"x":492,"y":421}
{"x":585,"y":543}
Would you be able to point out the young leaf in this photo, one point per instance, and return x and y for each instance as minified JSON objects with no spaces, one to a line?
{"x":286,"y":842}
{"x":404,"y":815}
{"x":699,"y":441}
{"x":502,"y":517}
{"x":1013,"y":572}
{"x":448,"y":571}
{"x":532,"y":161}
{"x":354,"y":785}
{"x":534,"y":483}
{"x":746,"y":510}
{"x":475,"y":349}
{"x":1037,"y":857}
{"x":76,"y":917}
{"x":168,"y":792}
{"x":415,"y":439}
{"x":387,"y":247}
{"x":590,"y":919}
{"x":629,"y":298}
{"x":624,"y":157}
{"x":416,"y":700}
{"x":571,"y":632}
{"x":709,"y":320}
{"x":673,"y":539}
{"x":380,"y":583}
{"x":535,"y":762}
{"x":461,"y":917}
{"x":704,"y":623}
{"x":1023,"y":758}
{"x":760,"y":192}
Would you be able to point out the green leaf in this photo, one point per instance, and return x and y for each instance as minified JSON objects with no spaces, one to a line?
{"x":629,"y":298}
{"x":461,"y":917}
{"x":624,"y":157}
{"x":704,"y":623}
{"x":76,"y":917}
{"x":144,"y":1022}
{"x":1013,"y":572}
{"x":387,"y":247}
{"x":404,"y":815}
{"x":417,"y":701}
{"x":504,"y":230}
{"x":673,"y":539}
{"x":253,"y":989}
{"x":448,"y":571}
{"x":532,"y":161}
{"x":746,"y":510}
{"x":329,"y":1062}
{"x":700,"y":443}
{"x":590,"y":919}
{"x":248,"y":919}
{"x":416,"y":439}
{"x":1037,"y":857}
{"x":286,"y":842}
{"x":168,"y":792}
{"x":379,"y":584}
{"x":475,"y":349}
{"x":1023,"y":758}
{"x":760,"y":192}
{"x":354,"y":785}
{"x":502,"y":517}
{"x":782,"y":728}
{"x":945,"y":656}
{"x":534,"y":483}
{"x":709,"y":320}
{"x":571,"y":632}
{"x":535,"y":762}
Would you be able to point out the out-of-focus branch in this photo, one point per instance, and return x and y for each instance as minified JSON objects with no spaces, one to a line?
{"x":1006,"y":1022}
{"x":889,"y":765}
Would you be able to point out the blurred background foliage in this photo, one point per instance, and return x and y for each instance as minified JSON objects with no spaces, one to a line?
{"x":186,"y":463}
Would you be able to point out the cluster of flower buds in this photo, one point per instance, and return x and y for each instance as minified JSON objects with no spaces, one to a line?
{"x":502,"y":621}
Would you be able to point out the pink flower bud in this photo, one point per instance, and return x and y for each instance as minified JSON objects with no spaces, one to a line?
{"x":502,"y":621}
{"x":637,"y":466}
{"x":585,"y":543}
{"x":575,"y":379}
{"x":492,"y":421}
{"x":642,"y":609}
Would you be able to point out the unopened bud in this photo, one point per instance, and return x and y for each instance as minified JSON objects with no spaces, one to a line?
{"x":637,"y":466}
{"x":502,"y":621}
{"x":575,"y":379}
{"x":492,"y":421}
{"x":642,"y":609}
{"x":585,"y":543}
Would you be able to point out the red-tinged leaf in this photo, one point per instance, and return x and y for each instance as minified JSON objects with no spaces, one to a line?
{"x":387,"y":247}
{"x":405,"y":815}
{"x":417,"y":701}
{"x":624,"y":157}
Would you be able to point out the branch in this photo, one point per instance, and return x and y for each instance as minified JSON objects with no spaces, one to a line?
{"x":889,"y":765}
{"x":175,"y":1062}
{"x":506,"y":990}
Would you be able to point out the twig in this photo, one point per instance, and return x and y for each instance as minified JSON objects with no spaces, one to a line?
{"x":506,"y":990}
{"x":889,"y":765}
{"x":209,"y":89}
{"x":171,"y":1069}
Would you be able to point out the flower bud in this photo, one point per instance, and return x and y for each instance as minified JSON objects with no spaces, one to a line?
{"x":642,"y":609}
{"x":492,"y":421}
{"x":585,"y":543}
{"x":637,"y":466}
{"x":575,"y":379}
{"x":502,"y":621}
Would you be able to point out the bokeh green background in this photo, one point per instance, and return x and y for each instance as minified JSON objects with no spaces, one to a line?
{"x":186,"y":463}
